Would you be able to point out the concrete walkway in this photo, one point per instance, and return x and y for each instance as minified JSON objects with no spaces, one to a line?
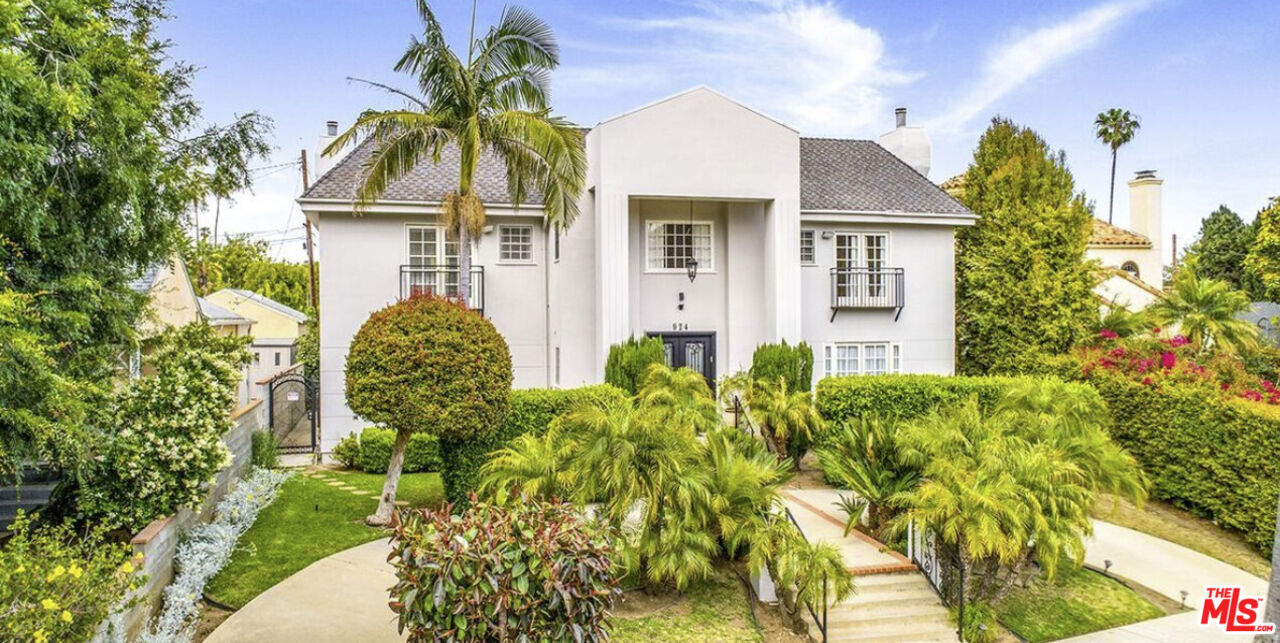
{"x":1168,"y":569}
{"x":336,"y":599}
{"x":816,"y":511}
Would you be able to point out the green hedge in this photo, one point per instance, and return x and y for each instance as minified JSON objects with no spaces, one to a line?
{"x":531,"y":412}
{"x":1211,"y":455}
{"x":371,"y":451}
{"x":792,"y":363}
{"x":906,"y":396}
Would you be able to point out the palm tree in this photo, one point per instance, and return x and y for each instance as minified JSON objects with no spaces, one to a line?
{"x":1204,"y":311}
{"x":497,"y":102}
{"x":681,"y":398}
{"x":1115,"y":127}
{"x":862,"y":456}
{"x":784,"y":417}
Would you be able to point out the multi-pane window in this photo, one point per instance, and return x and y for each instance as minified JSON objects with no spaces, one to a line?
{"x":433,"y":258}
{"x":515,"y":243}
{"x":670,"y":246}
{"x":806,"y":247}
{"x":860,"y":261}
{"x":870,"y":358}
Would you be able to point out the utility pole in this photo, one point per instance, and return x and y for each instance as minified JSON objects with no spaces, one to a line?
{"x":311,"y":259}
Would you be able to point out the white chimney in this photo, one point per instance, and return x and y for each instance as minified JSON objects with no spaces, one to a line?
{"x":1145,"y":208}
{"x":323,"y":163}
{"x":910,"y":144}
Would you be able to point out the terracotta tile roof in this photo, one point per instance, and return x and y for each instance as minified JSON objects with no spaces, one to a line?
{"x":1105,"y":234}
{"x":835,"y":174}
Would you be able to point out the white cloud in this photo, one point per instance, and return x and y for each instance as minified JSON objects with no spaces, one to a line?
{"x":802,"y":61}
{"x":1019,"y":59}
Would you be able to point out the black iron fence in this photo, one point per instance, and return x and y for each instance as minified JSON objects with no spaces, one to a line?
{"x":441,"y":281}
{"x":819,"y":620}
{"x":867,"y":288}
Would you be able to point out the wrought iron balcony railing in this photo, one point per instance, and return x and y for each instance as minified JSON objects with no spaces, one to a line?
{"x":853,"y":288}
{"x":441,"y":281}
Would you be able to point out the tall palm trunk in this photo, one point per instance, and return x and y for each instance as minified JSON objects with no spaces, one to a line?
{"x":1111,"y":205}
{"x":1273,"y":592}
{"x":464,"y":263}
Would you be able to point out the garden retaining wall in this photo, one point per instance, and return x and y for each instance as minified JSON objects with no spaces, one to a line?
{"x":158,"y":541}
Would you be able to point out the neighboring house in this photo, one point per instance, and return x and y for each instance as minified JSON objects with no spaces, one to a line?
{"x":228,"y":323}
{"x":1132,"y":260}
{"x":703,"y":221}
{"x":276,"y":328}
{"x":1264,"y":314}
{"x":171,"y":302}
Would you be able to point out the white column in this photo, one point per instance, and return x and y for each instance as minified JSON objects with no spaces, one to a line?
{"x":782,"y":268}
{"x":612,"y":287}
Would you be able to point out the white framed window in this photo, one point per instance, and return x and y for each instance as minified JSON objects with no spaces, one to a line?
{"x":807,"y":256}
{"x":860,"y":259}
{"x":433,"y":260}
{"x":515,"y":243}
{"x":669,"y":245}
{"x":862,"y":358}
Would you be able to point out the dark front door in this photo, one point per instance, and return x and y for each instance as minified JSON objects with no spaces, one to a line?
{"x":691,"y":350}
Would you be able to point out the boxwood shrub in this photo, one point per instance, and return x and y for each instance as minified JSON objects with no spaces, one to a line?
{"x":422,"y":454}
{"x":531,"y":412}
{"x":1205,"y":452}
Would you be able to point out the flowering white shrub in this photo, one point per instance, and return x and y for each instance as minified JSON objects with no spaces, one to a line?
{"x":168,"y":428}
{"x":206,"y":550}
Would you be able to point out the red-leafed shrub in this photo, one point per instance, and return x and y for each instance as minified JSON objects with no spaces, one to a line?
{"x":525,"y":570}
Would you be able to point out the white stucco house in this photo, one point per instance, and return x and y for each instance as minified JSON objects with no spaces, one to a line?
{"x":1133,"y":258}
{"x":836,"y":242}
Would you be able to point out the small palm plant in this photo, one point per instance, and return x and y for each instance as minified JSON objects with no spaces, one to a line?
{"x":1204,"y":311}
{"x":862,"y":456}
{"x":1115,"y":127}
{"x":680,"y":397}
{"x":536,"y":465}
{"x":786,"y":419}
{"x":495,"y":102}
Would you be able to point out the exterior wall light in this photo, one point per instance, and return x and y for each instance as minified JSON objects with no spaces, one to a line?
{"x":692,"y":267}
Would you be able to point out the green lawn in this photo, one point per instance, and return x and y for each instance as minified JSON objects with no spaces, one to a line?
{"x":715,"y":610}
{"x":1077,"y":602}
{"x":308,"y":521}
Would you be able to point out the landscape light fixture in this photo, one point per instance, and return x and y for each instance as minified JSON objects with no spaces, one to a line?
{"x":1107,"y":565}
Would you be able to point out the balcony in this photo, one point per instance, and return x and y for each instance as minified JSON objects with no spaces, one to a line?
{"x":441,"y":281}
{"x":866,"y":288}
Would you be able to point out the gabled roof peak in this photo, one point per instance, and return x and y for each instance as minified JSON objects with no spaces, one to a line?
{"x":694,"y":90}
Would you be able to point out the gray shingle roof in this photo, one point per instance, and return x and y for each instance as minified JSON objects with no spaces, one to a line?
{"x":835,"y":174}
{"x":427,"y":182}
{"x":219,"y":316}
{"x":861,"y":176}
{"x":298,"y":316}
{"x":142,"y":285}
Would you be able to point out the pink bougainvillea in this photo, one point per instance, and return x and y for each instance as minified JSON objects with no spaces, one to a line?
{"x":1160,"y":362}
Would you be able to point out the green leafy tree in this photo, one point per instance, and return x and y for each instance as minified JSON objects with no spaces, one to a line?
{"x":1115,"y":127}
{"x":1023,"y":286}
{"x":1205,"y":312}
{"x":104,"y":156}
{"x":1263,"y":261}
{"x":1221,"y":248}
{"x":243,"y":263}
{"x":43,"y":415}
{"x":494,"y":102}
{"x":427,"y":365}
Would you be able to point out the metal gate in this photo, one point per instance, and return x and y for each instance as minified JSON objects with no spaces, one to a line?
{"x":291,"y":413}
{"x":922,"y":549}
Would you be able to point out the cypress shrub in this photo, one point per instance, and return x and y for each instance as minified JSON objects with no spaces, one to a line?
{"x":792,"y":363}
{"x":629,"y":362}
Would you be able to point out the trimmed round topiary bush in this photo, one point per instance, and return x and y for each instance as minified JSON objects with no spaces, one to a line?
{"x":427,"y":365}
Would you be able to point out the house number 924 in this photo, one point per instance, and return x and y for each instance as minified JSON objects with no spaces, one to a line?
{"x":679,"y":326}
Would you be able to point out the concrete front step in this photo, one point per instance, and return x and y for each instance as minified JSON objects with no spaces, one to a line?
{"x":879,"y":598}
{"x":857,"y":615}
{"x":921,"y":634}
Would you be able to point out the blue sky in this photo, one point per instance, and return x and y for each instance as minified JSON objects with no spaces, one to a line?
{"x":1201,"y":75}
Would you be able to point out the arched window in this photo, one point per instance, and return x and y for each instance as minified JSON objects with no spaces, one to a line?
{"x":1131,"y":268}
